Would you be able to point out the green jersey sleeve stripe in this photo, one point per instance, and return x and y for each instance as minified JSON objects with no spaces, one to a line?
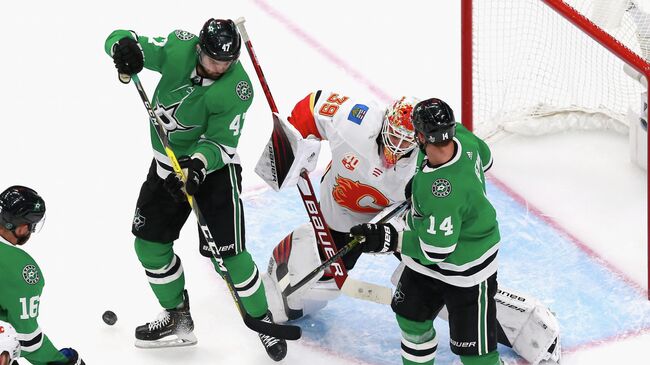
{"x":31,"y":342}
{"x":428,"y":248}
{"x":436,"y":254}
{"x":466,"y":278}
{"x":229,"y":152}
{"x":488,"y":255}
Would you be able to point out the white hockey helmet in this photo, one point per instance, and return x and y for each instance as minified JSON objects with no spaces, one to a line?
{"x":9,"y":341}
{"x":397,"y":133}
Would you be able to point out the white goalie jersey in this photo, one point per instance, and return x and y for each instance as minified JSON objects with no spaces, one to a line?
{"x":357,"y":183}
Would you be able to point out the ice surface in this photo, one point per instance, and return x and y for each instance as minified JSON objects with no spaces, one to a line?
{"x":70,"y":130}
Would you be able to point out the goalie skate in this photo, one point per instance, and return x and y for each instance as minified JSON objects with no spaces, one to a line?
{"x":172,"y":328}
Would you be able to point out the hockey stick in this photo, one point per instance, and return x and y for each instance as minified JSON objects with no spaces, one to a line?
{"x":283,"y":157}
{"x":288,"y":289}
{"x":287,"y":332}
{"x":367,"y":291}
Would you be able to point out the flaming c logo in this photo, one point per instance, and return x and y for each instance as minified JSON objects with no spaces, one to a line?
{"x":358,"y":197}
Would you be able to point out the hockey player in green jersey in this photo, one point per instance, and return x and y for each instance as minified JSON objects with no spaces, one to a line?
{"x":202,"y":99}
{"x":450,"y":244}
{"x":21,"y":212}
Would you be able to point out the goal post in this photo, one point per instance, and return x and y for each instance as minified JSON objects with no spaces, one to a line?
{"x":540,"y":66}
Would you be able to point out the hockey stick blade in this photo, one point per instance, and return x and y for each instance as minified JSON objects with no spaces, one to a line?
{"x":283,"y":331}
{"x":367,"y":291}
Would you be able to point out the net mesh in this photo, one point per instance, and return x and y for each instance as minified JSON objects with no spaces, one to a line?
{"x":535,"y":73}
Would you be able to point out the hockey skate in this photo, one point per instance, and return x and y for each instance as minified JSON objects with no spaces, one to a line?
{"x":172,"y":328}
{"x":276,"y":348}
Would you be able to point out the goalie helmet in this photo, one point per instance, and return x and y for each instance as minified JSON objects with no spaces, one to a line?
{"x":21,"y":205}
{"x":9,"y":341}
{"x":397,"y":134}
{"x":220,"y":39}
{"x":435,"y":120}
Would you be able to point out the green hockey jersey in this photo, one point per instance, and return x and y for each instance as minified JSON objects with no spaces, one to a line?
{"x":452,"y":232}
{"x":20,"y":291}
{"x":201,"y":116}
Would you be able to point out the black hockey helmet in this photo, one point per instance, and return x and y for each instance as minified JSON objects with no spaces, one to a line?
{"x":20,"y":205}
{"x":435,"y":119}
{"x":220,"y":39}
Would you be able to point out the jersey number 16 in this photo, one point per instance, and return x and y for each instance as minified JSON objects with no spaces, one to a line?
{"x":30,"y":310}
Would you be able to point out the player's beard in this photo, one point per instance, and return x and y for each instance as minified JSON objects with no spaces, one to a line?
{"x":203,"y":72}
{"x":23,"y":239}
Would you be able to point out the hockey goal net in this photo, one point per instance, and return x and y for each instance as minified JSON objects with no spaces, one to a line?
{"x":541,"y":66}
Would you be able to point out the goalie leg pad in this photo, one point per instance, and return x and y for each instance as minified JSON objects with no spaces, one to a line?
{"x":531,"y":328}
{"x":274,"y":298}
{"x":294,"y":258}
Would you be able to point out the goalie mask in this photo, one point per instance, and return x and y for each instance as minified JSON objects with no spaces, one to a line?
{"x":397,"y":133}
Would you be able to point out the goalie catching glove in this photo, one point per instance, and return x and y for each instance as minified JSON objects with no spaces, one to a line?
{"x":195,"y":172}
{"x":377,"y":237}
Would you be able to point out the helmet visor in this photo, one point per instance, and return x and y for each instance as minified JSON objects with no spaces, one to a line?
{"x":37,"y":226}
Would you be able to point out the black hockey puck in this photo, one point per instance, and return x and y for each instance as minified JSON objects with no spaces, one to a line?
{"x":109,"y":318}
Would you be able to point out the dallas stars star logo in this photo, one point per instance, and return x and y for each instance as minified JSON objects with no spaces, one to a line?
{"x":441,"y":188}
{"x":167,"y":115}
{"x":138,"y":220}
{"x":398,"y":296}
{"x":30,"y":274}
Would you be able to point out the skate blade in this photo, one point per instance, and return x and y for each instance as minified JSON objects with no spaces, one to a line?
{"x":187,"y":339}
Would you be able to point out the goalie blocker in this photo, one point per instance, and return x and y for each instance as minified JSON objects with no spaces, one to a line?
{"x":305,"y":154}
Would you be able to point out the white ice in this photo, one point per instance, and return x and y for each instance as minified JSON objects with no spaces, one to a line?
{"x":70,"y":130}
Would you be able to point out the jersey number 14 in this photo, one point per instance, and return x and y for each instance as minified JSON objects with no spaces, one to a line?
{"x":445,"y":226}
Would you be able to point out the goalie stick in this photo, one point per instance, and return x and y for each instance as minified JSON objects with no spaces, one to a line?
{"x":282,"y":156}
{"x":287,"y":332}
{"x":288,"y":289}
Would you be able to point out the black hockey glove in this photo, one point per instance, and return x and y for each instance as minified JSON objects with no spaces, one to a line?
{"x":72,"y":356}
{"x":379,"y":237}
{"x":128,"y":56}
{"x":174,"y":187}
{"x":195,"y":173}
